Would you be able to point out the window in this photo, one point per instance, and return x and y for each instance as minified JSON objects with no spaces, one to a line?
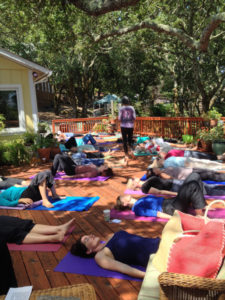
{"x":11,"y":106}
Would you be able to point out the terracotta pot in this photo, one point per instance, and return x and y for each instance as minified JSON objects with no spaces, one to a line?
{"x":44,"y":154}
{"x":54,"y":151}
{"x":206,"y":145}
{"x":213,"y":122}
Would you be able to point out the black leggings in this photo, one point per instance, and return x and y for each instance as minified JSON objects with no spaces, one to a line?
{"x":200,"y":155}
{"x":65,"y":163}
{"x":191,"y":193}
{"x":32,"y":191}
{"x":210,"y":175}
{"x":7,"y":274}
{"x":127,"y":136}
{"x":70,"y":143}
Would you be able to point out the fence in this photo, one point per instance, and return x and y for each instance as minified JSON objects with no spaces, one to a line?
{"x":153,"y":126}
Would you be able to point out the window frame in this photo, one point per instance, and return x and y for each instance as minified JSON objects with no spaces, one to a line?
{"x":20,"y":105}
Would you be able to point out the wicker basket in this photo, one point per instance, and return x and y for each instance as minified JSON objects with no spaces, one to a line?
{"x":181,"y":286}
{"x":82,"y":291}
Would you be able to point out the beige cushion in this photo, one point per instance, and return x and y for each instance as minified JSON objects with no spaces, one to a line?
{"x":150,"y":285}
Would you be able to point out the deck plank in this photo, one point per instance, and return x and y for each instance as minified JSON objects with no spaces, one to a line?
{"x":36,"y":268}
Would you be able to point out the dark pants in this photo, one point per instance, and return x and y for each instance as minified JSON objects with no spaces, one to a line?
{"x":191,"y":193}
{"x":210,"y":175}
{"x":127,"y":136}
{"x":71,"y":143}
{"x":64,"y":163}
{"x":200,"y":155}
{"x":8,"y":182}
{"x":7,"y":275}
{"x":32,"y":190}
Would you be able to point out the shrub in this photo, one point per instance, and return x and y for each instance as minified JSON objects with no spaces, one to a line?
{"x":14,"y":153}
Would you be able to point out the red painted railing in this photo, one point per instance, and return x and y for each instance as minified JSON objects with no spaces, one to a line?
{"x":153,"y":126}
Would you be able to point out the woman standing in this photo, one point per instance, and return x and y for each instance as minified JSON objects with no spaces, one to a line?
{"x":127,"y":117}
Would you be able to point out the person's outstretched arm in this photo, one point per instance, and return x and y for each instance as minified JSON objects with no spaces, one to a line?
{"x":110,"y":263}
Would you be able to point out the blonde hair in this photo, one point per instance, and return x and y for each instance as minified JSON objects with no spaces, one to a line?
{"x":119,"y":205}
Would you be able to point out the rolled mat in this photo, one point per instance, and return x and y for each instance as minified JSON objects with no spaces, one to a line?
{"x":45,"y":247}
{"x":87,"y":266}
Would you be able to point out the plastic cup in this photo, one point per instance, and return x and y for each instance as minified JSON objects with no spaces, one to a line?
{"x":106,"y":213}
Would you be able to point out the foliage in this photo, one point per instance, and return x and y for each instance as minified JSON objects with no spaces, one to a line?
{"x":101,"y":127}
{"x":13,"y":153}
{"x":187,"y":138}
{"x":43,"y":127}
{"x":58,"y":35}
{"x":2,"y":124}
{"x":212,"y":134}
{"x":41,"y":141}
{"x":29,"y":138}
{"x":212,"y":114}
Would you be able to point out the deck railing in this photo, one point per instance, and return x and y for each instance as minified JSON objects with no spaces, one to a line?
{"x":153,"y":126}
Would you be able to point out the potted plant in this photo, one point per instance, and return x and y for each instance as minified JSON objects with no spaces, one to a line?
{"x":212,"y":116}
{"x":187,"y":139}
{"x":42,"y":146}
{"x":209,"y":136}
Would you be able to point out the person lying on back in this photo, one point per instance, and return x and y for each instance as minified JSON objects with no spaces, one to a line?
{"x":119,"y":252}
{"x":66,"y":164}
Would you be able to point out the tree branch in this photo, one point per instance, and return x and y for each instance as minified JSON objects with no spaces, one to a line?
{"x":215,"y":21}
{"x":97,"y":7}
{"x":161,"y":28}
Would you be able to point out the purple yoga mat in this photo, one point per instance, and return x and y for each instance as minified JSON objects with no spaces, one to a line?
{"x":139,"y":192}
{"x":130,"y":215}
{"x":98,"y":178}
{"x":87,"y":266}
{"x":46,"y":247}
{"x":22,"y":206}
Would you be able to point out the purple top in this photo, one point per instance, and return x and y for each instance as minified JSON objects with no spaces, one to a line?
{"x":127,"y":116}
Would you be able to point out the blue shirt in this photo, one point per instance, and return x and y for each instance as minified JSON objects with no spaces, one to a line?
{"x":11,"y":196}
{"x":148,"y":206}
{"x":174,"y":161}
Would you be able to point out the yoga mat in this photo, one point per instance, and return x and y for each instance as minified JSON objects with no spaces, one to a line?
{"x":70,"y":204}
{"x":214,"y":182}
{"x":144,"y":154}
{"x":130,"y":215}
{"x":46,"y":247}
{"x":87,"y":266}
{"x":21,"y":206}
{"x":98,"y":178}
{"x":139,"y":192}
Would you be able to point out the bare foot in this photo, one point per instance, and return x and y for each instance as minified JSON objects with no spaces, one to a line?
{"x":47,"y":204}
{"x":65,"y":227}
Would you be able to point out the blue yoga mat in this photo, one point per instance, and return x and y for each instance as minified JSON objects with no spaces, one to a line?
{"x":87,"y":266}
{"x":214,"y":182}
{"x":71,"y":204}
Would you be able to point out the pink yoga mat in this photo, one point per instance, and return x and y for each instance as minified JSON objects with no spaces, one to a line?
{"x":46,"y":247}
{"x":130,"y":215}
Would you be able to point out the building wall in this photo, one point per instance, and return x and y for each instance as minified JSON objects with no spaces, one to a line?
{"x":12,"y":73}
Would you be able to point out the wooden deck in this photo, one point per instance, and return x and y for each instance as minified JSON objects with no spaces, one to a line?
{"x":36,"y":268}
